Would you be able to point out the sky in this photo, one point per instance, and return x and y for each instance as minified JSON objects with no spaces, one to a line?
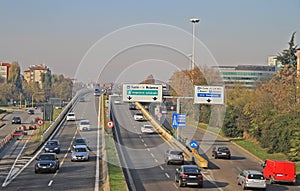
{"x":125,"y":41}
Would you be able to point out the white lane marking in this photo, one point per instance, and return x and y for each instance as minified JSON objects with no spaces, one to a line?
{"x":148,"y":149}
{"x":145,"y":144}
{"x":152,"y":155}
{"x":50,"y":183}
{"x":142,"y":140}
{"x":162,"y":168}
{"x":167,"y":175}
{"x":156,"y":160}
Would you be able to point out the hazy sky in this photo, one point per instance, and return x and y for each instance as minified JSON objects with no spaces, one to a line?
{"x":114,"y":40}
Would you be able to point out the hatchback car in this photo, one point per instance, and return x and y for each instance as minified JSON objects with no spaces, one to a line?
{"x":174,"y":156}
{"x":71,"y":116}
{"x":16,"y":120}
{"x":30,"y":111}
{"x":84,"y":125}
{"x":221,"y":152}
{"x":46,"y":162}
{"x":52,"y":146}
{"x":251,"y":179}
{"x":189,"y":175}
{"x":148,"y":129}
{"x":138,"y":116}
{"x":80,"y":153}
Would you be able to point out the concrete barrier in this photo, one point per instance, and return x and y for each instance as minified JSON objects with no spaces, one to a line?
{"x":200,"y":161}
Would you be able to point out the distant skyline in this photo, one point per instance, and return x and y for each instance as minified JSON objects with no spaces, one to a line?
{"x":64,"y":35}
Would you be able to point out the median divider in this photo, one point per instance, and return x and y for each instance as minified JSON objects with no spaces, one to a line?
{"x":192,"y":155}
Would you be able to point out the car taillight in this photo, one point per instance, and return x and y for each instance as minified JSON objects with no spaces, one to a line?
{"x":184,"y":176}
{"x":247,"y":180}
{"x":200,"y":176}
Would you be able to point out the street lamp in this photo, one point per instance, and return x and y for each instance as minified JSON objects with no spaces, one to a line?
{"x":194,"y":21}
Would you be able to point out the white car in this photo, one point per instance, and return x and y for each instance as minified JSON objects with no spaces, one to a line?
{"x":149,"y":129}
{"x":138,"y":116}
{"x":84,"y":125}
{"x":71,"y":116}
{"x":117,"y":101}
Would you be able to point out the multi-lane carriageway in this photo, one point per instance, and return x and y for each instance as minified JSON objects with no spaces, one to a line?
{"x":143,"y":159}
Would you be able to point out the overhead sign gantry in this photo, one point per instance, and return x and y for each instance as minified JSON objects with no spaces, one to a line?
{"x":142,"y":93}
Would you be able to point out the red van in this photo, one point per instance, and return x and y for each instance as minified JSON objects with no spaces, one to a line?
{"x":279,"y":171}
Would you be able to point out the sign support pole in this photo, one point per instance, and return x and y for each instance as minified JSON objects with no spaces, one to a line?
{"x":177,"y":111}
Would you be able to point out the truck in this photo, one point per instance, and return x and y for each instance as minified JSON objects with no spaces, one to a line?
{"x":279,"y":171}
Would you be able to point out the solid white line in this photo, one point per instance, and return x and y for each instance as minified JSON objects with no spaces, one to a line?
{"x":50,"y":183}
{"x":97,"y":175}
{"x":167,"y":175}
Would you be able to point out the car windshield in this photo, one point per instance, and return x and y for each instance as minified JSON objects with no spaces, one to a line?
{"x":80,"y":149}
{"x":47,"y":157}
{"x":84,"y":123}
{"x":148,"y":127}
{"x":256,"y":176}
{"x":71,"y":114}
{"x":80,"y":141}
{"x":176,"y":152}
{"x":139,"y":114}
{"x":223,"y":149}
{"x":191,"y":170}
{"x":52,"y":143}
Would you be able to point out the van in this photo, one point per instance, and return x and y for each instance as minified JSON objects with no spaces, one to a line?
{"x":279,"y":171}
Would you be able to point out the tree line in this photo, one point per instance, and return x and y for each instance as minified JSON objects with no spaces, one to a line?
{"x":268,"y":115}
{"x":18,"y":89}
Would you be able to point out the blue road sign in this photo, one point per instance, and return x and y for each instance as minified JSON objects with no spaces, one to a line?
{"x":178,"y":120}
{"x":194,"y":144}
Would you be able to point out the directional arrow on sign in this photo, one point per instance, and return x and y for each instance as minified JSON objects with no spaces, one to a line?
{"x":209,"y":100}
{"x":155,"y":98}
{"x":129,"y":98}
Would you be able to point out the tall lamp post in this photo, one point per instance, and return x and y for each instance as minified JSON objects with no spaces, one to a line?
{"x":194,"y":21}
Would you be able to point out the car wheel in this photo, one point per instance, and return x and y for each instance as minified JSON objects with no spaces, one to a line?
{"x":216,"y":157}
{"x":272,"y":181}
{"x":238,"y":182}
{"x":180,"y":184}
{"x":200,"y":185}
{"x":168,"y":162}
{"x":176,"y":179}
{"x":244,"y":186}
{"x":36,"y":171}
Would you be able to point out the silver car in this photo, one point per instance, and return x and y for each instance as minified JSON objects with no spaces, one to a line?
{"x":251,"y":179}
{"x":174,"y":156}
{"x":80,"y":153}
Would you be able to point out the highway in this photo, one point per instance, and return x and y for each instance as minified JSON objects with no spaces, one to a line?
{"x":144,"y":158}
{"x":71,"y":175}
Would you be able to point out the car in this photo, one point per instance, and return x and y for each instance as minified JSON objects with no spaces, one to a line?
{"x":79,"y":141}
{"x":132,"y":106}
{"x":71,"y":116}
{"x":138,"y":116}
{"x":84,"y":125}
{"x":117,"y":102}
{"x":30,"y":111}
{"x":149,"y":129}
{"x":46,"y":162}
{"x":18,"y":134}
{"x":221,"y":152}
{"x":52,"y":146}
{"x":189,"y":175}
{"x":80,"y":153}
{"x":174,"y":156}
{"x":251,"y":179}
{"x":16,"y":120}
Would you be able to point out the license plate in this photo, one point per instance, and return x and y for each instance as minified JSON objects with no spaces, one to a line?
{"x":279,"y":174}
{"x":223,"y":153}
{"x":192,"y":176}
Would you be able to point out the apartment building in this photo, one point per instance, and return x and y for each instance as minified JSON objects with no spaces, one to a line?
{"x":4,"y":70}
{"x":33,"y":73}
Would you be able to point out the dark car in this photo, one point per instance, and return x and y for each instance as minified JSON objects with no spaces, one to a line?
{"x":79,"y":141}
{"x":46,"y":162}
{"x":52,"y":146}
{"x":16,"y":120}
{"x":174,"y":156}
{"x":30,"y":111}
{"x":132,"y":106}
{"x":221,"y":152}
{"x":189,"y":175}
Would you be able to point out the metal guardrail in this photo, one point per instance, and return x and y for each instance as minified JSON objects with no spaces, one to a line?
{"x":200,"y":161}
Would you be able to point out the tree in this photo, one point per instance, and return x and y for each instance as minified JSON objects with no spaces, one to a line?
{"x":15,"y":76}
{"x":288,"y":56}
{"x":46,"y":79}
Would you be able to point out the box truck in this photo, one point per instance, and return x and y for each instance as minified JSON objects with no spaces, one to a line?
{"x":279,"y":171}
